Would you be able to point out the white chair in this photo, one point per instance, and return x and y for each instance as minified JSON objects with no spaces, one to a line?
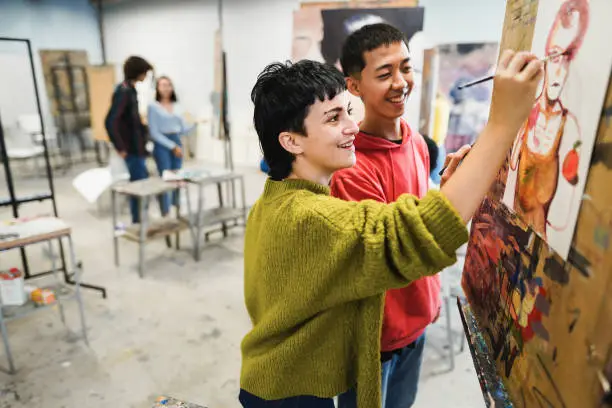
{"x":95,"y":184}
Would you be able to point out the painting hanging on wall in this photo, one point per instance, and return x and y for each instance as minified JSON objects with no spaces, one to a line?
{"x":550,"y":158}
{"x":469,"y":107}
{"x":319,"y":34}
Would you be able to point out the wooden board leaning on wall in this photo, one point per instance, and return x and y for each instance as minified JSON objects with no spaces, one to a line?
{"x":102,"y":83}
{"x":556,"y":356}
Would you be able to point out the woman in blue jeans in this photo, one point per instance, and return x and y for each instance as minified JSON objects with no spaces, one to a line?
{"x":166,"y":126}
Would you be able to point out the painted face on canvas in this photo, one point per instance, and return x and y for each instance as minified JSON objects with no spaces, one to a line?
{"x":330,"y":132}
{"x":386,"y":81}
{"x":557,"y":70}
{"x":564,"y":41}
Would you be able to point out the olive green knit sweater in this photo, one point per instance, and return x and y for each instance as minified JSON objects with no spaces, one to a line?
{"x":316,"y":270}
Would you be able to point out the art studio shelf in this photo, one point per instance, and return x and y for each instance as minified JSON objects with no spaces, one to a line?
{"x":159,"y":228}
{"x":217,"y":216}
{"x":63,"y":293}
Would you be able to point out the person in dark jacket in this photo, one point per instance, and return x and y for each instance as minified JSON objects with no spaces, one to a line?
{"x":124,"y":127}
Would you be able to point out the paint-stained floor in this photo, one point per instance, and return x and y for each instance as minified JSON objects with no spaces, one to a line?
{"x":176,"y":332}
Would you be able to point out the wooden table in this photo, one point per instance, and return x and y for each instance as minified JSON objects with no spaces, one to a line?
{"x":143,"y":191}
{"x":18,"y":233}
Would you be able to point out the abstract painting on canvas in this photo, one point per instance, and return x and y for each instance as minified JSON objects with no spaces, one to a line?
{"x":550,"y":158}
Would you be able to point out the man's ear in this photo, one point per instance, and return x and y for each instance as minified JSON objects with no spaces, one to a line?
{"x":291,"y":142}
{"x":352,"y":85}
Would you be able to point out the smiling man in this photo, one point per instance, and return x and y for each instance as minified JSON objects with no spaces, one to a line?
{"x":392,"y":159}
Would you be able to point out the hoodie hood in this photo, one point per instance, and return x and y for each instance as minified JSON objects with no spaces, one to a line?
{"x":365,"y":141}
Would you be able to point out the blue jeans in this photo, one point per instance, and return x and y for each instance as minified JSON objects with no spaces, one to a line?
{"x":138,"y":171}
{"x":166,"y":160}
{"x":400,"y":378}
{"x":250,"y":401}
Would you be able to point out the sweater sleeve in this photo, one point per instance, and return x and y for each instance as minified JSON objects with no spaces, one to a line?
{"x":155,"y":133}
{"x":391,"y":245}
{"x":114,"y":117}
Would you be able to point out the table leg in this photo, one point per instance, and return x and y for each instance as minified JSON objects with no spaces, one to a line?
{"x":178,"y":217}
{"x":54,"y":270}
{"x":77,"y":288}
{"x":114,"y":208}
{"x":143,"y":201}
{"x":198,"y":226}
{"x":243,"y":193}
{"x":223,"y":224}
{"x":7,"y":347}
{"x":191,"y":219}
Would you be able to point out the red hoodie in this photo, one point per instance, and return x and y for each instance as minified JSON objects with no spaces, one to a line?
{"x":383,"y":172}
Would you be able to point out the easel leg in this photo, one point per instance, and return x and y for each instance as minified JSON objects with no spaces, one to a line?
{"x":449,"y":333}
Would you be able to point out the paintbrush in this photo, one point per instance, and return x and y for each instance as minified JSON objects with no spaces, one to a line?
{"x":490,"y":77}
{"x":445,"y":167}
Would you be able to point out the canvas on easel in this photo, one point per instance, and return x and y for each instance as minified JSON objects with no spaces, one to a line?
{"x":550,"y":158}
{"x":547,"y":321}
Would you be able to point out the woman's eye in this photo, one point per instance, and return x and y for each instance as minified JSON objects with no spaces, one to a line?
{"x":407,"y":69}
{"x":333,"y":118}
{"x":350,"y":111}
{"x":383,"y":76}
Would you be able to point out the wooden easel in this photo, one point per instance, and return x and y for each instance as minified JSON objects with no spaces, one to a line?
{"x":572,"y":368}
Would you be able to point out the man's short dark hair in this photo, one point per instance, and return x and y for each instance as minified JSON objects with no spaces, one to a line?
{"x":282,"y":96}
{"x":367,"y":38}
{"x":135,"y":66}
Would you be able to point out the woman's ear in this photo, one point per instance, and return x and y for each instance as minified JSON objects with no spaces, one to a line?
{"x":291,"y":142}
{"x":352,"y":85}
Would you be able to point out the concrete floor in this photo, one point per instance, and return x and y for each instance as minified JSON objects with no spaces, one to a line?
{"x":176,"y":332}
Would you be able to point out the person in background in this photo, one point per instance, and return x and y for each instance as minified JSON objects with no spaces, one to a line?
{"x":433,"y":150}
{"x":166,"y":122}
{"x":124,"y":127}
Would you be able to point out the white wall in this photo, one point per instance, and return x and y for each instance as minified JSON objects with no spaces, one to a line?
{"x":176,"y":37}
{"x":49,"y":24}
{"x":258,"y":32}
{"x":452,"y":21}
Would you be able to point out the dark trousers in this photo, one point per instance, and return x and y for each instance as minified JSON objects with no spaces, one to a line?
{"x":250,"y":401}
{"x":166,"y":160}
{"x":138,"y":171}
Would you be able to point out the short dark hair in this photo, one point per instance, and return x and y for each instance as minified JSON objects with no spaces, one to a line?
{"x":158,"y":95}
{"x":135,"y":66}
{"x":282,"y":97}
{"x":367,"y":38}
